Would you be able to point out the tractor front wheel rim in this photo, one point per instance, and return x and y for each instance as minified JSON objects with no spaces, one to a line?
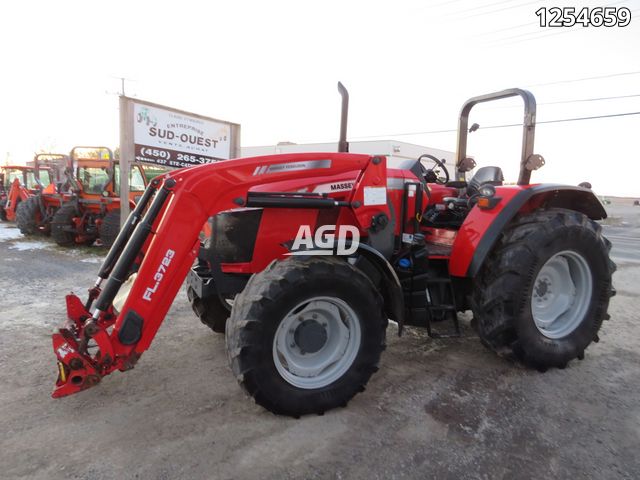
{"x":316,"y":342}
{"x":561,"y":294}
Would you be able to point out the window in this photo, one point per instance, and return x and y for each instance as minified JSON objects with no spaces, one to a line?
{"x":152,"y":171}
{"x":136,"y":181}
{"x":45,"y":179}
{"x":93,"y":179}
{"x":11,"y":175}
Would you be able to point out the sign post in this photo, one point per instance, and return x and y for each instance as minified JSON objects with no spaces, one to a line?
{"x":126,"y":155}
{"x":160,"y":135}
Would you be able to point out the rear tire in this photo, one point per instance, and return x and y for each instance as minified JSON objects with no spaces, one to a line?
{"x":212,"y":311}
{"x":305,"y":335}
{"x":544,"y":291}
{"x":26,"y":216}
{"x":62,"y":220}
{"x":110,"y":228}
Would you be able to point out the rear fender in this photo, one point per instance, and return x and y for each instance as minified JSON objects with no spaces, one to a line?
{"x":482,"y":228}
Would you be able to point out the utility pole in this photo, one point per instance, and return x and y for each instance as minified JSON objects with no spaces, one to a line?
{"x":121,"y":92}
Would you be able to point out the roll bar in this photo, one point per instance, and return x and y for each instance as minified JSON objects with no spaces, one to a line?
{"x":72,"y":154}
{"x":528,"y":160}
{"x":100,"y":151}
{"x":51,"y":160}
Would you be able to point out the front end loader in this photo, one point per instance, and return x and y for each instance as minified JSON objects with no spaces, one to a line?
{"x":311,"y":254}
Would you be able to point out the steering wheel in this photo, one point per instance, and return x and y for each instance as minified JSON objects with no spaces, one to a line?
{"x":432,"y":175}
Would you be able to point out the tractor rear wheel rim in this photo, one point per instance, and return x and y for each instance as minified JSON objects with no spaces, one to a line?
{"x":561,"y":294}
{"x":316,"y":342}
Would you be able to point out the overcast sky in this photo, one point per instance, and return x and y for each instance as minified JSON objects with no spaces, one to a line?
{"x":273,"y":66}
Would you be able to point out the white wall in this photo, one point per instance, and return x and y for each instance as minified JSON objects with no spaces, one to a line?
{"x":388,"y":148}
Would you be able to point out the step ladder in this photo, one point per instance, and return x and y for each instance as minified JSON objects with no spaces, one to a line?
{"x":422,"y":303}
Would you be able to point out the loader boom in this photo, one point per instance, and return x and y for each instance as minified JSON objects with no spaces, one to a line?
{"x":162,"y":245}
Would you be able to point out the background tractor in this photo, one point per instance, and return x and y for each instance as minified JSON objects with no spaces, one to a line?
{"x":94,"y":210}
{"x":34,"y":215}
{"x":17,"y":184}
{"x":307,"y":326}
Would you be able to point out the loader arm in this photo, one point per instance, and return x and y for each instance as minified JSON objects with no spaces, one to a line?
{"x":163,"y":243}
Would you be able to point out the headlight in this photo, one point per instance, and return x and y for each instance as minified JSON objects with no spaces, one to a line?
{"x":487,"y":190}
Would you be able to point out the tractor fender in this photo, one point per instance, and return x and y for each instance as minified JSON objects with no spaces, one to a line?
{"x":466,"y":260}
{"x":390,"y":288}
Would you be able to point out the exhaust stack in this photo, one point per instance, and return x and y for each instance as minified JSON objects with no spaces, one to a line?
{"x":343,"y":145}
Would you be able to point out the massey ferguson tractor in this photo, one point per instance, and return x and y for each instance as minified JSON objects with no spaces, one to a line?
{"x":94,"y":210}
{"x":319,"y":250}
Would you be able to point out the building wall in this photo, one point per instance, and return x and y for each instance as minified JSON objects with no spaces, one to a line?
{"x":389,"y":148}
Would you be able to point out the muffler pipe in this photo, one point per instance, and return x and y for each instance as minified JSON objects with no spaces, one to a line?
{"x":343,"y":145}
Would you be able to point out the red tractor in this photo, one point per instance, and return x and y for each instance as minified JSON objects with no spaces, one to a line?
{"x":319,"y":250}
{"x":94,"y":210}
{"x":17,"y":184}
{"x":34,"y":215}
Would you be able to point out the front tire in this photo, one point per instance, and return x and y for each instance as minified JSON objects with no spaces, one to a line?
{"x":213,"y":311}
{"x":62,"y":225}
{"x":110,"y":228}
{"x":544,"y":291}
{"x":305,"y":335}
{"x":27,"y":214}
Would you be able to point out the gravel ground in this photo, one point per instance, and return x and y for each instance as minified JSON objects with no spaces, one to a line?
{"x":436,"y":408}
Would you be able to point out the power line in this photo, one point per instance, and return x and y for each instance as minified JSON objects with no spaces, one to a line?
{"x":560,"y":120}
{"x":497,"y":10}
{"x":480,"y":7}
{"x":504,"y":41}
{"x":597,"y":99}
{"x":491,"y":32}
{"x":536,"y":35}
{"x":445,"y":3}
{"x":584,"y":79}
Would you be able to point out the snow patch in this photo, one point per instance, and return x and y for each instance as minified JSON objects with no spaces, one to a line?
{"x":91,"y":260}
{"x":29,"y":245}
{"x":9,"y":232}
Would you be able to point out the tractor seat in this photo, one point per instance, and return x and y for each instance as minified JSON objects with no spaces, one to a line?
{"x":484,"y":175}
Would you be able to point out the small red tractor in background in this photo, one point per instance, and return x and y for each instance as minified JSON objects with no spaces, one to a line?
{"x":34,"y":214}
{"x":17,"y":184}
{"x":94,"y":210}
{"x":319,"y":250}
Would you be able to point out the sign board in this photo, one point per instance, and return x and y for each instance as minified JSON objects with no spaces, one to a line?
{"x":176,"y":139}
{"x":160,"y":135}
